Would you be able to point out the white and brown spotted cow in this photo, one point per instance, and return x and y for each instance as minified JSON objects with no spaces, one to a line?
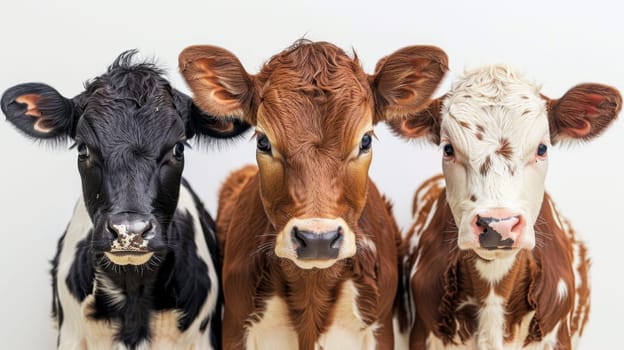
{"x":490,"y":262}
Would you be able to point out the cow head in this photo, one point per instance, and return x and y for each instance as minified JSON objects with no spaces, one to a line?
{"x":495,"y":130}
{"x":314,"y":110}
{"x":130,"y":128}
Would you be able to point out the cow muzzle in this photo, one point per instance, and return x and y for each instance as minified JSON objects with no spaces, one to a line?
{"x":315,"y":242}
{"x":498,"y":229}
{"x":131,"y":234}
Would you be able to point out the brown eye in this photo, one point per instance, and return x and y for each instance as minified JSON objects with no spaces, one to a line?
{"x":83,"y":152}
{"x":178,"y":151}
{"x":263,"y":143}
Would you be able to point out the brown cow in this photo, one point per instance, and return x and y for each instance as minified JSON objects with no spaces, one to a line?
{"x":491,"y":263}
{"x":310,"y":247}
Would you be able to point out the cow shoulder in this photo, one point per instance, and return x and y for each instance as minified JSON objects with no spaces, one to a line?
{"x":552,"y":292}
{"x":378,"y":255}
{"x":434,"y":263}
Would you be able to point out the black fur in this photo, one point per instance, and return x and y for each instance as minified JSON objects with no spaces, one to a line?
{"x":129,"y":125}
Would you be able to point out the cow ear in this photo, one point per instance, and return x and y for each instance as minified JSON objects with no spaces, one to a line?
{"x":40,"y":111}
{"x":201,"y":124}
{"x":405,"y":80}
{"x":584,"y":112}
{"x":425,"y":123}
{"x":220,"y":84}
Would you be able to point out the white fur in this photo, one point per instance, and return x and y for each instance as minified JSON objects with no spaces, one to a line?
{"x":494,"y":270}
{"x":347,"y":331}
{"x":273,"y":331}
{"x":491,"y":320}
{"x":80,"y":332}
{"x":507,"y":107}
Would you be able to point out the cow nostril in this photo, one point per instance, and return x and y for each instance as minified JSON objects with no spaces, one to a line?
{"x":149,"y":231}
{"x":337,"y":240}
{"x":298,"y":238}
{"x":112,"y":230}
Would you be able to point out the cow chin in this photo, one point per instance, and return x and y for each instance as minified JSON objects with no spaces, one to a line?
{"x":315,"y":242}
{"x":130,"y":258}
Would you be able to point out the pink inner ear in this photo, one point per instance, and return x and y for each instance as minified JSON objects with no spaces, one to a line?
{"x":581,"y":130}
{"x":595,"y":99}
{"x":30,"y":100}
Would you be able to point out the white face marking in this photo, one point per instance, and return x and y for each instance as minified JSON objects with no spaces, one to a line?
{"x":285,"y":248}
{"x":495,"y":121}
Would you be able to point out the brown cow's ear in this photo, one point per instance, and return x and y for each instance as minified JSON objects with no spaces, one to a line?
{"x":583,"y":113}
{"x":405,"y":80}
{"x":220,"y":84}
{"x":425,"y":123}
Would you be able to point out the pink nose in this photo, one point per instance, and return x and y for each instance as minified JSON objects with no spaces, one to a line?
{"x":498,"y":228}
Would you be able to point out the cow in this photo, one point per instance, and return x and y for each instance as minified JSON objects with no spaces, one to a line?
{"x":137,"y":266}
{"x":489,"y":261}
{"x":310,"y":245}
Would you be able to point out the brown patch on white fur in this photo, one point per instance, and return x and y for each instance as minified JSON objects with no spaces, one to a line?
{"x":505,"y":149}
{"x":448,"y":290}
{"x":485,"y":167}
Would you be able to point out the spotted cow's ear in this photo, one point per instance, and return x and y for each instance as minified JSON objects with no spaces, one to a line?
{"x":423,"y":124}
{"x":405,"y":80}
{"x":220,"y":84}
{"x":584,"y":112}
{"x":201,"y":124}
{"x":40,"y":111}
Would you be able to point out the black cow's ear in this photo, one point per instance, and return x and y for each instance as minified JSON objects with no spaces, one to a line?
{"x":204,"y":125}
{"x":220,"y":128}
{"x":40,"y":111}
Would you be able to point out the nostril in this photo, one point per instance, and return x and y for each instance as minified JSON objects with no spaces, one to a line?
{"x":337,"y":239}
{"x":113,"y":231}
{"x":149,"y":231}
{"x":298,"y":238}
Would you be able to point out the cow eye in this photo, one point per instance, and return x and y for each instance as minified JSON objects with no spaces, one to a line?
{"x":542,"y":149}
{"x":178,"y":151}
{"x":449,"y":152}
{"x":366,"y":143}
{"x":263,"y":143}
{"x":83,"y":151}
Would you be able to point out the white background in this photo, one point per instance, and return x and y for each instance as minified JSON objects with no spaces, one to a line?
{"x":63,"y":43}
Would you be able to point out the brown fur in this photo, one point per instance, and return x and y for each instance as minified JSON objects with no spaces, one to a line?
{"x":505,"y":149}
{"x":585,"y":111}
{"x":447,"y":276}
{"x":313,"y":103}
{"x":252,"y":272}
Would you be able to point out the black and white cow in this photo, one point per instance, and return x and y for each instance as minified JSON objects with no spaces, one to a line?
{"x":137,"y":266}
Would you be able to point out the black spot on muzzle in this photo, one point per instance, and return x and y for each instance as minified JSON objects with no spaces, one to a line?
{"x":490,"y":239}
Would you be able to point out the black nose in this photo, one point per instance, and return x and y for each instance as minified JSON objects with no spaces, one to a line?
{"x":127,"y":224}
{"x":317,"y":246}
